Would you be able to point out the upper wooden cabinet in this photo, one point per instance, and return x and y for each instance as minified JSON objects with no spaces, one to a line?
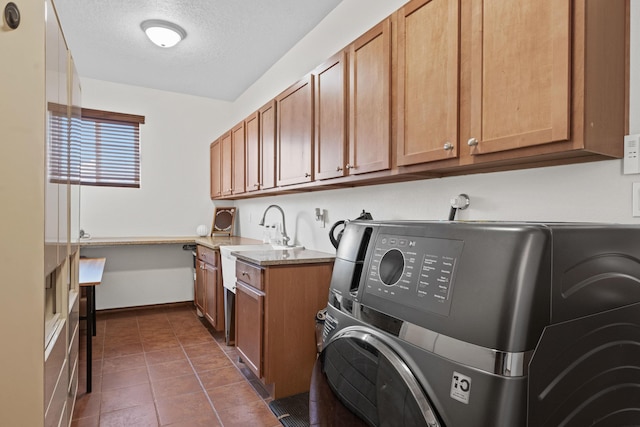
{"x":295,"y":133}
{"x":267,"y":116}
{"x":428,"y":56}
{"x":330,"y":101}
{"x":252,"y":135}
{"x":238,"y":158}
{"x":353,"y":107}
{"x":370,"y":100}
{"x":520,"y":77}
{"x":226,"y":164}
{"x":542,"y":80}
{"x":478,"y":85}
{"x":215,"y":169}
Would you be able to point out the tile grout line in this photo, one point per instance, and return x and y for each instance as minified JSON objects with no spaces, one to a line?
{"x":146,"y":365}
{"x":215,"y":411}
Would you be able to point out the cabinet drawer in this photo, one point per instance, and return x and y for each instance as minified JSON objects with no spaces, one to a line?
{"x":54,"y":361}
{"x":74,"y":315}
{"x":249,"y":274}
{"x":207,"y":255}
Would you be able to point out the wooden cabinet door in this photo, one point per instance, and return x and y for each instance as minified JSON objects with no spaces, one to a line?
{"x":226,"y":159}
{"x":267,"y":130}
{"x":250,"y":326}
{"x":370,"y":100}
{"x":215,"y":169}
{"x":252,"y":131}
{"x":295,"y":133}
{"x":331,"y":117}
{"x":210,"y":274}
{"x":238,"y":159}
{"x":428,"y":80}
{"x":199,"y":291}
{"x":520,"y":74}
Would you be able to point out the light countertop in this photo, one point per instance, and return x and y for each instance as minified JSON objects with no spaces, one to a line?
{"x":284,"y":257}
{"x":211,"y":242}
{"x":258,"y":257}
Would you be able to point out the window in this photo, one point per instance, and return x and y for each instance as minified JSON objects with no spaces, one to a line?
{"x":103,"y":148}
{"x":110,"y":149}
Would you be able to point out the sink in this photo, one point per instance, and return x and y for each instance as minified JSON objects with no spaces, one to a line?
{"x":227,"y":249}
{"x":239,"y":248}
{"x":229,"y":262}
{"x":286,"y":248}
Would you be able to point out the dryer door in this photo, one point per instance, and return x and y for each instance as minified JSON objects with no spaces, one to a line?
{"x":374,"y":382}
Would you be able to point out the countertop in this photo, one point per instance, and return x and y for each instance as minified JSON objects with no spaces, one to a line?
{"x":211,"y":242}
{"x":284,"y":257}
{"x":258,"y":257}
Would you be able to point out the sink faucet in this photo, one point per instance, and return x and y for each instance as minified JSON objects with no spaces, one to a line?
{"x":285,"y":237}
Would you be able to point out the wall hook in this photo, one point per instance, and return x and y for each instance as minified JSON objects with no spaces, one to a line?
{"x":12,"y":15}
{"x":460,"y":202}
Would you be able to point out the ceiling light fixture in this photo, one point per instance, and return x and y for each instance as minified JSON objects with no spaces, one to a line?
{"x":163,"y":33}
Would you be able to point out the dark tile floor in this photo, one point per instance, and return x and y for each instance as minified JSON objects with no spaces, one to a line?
{"x":162,"y":367}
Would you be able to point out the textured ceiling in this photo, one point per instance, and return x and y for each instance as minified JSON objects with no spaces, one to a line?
{"x":229,"y":43}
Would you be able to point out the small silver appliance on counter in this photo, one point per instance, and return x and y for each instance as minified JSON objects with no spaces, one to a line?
{"x":486,"y":324}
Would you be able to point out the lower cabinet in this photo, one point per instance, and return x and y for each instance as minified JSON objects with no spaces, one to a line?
{"x":198,"y":291}
{"x":249,"y":326}
{"x":208,"y":292}
{"x":276,"y":308}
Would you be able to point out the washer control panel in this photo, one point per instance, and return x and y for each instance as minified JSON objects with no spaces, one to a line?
{"x":415,"y":271}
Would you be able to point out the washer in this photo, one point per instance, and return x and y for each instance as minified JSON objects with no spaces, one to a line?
{"x":486,"y":324}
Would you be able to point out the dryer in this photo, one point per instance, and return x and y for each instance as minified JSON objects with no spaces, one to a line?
{"x":465,"y":324}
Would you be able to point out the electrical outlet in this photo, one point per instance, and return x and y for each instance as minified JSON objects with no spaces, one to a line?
{"x":631,"y":162}
{"x":635,"y":199}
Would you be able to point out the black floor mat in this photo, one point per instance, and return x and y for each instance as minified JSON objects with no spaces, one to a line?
{"x":292,"y":411}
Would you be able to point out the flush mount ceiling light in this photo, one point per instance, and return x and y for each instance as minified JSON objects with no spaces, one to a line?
{"x":163,"y":33}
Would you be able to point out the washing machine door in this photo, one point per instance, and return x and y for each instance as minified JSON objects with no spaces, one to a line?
{"x":369,"y":377}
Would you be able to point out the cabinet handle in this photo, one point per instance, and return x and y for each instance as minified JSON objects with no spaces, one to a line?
{"x":256,"y":185}
{"x":472,"y":142}
{"x":244,"y":274}
{"x":307,"y":174}
{"x":448,"y":146}
{"x":338,"y":169}
{"x":350,"y":166}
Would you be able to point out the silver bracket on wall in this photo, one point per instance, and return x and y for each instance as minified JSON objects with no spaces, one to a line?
{"x":459,"y":202}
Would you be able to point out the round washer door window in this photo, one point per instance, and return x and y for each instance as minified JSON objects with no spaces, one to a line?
{"x":373,"y":382}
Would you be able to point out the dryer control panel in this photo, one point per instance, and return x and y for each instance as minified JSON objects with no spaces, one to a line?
{"x":414,"y":270}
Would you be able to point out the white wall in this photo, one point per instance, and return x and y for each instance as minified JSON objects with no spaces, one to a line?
{"x":173,"y":196}
{"x":175,"y":193}
{"x":172,"y":199}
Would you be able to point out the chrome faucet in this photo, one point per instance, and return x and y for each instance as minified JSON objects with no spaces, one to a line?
{"x":285,"y":237}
